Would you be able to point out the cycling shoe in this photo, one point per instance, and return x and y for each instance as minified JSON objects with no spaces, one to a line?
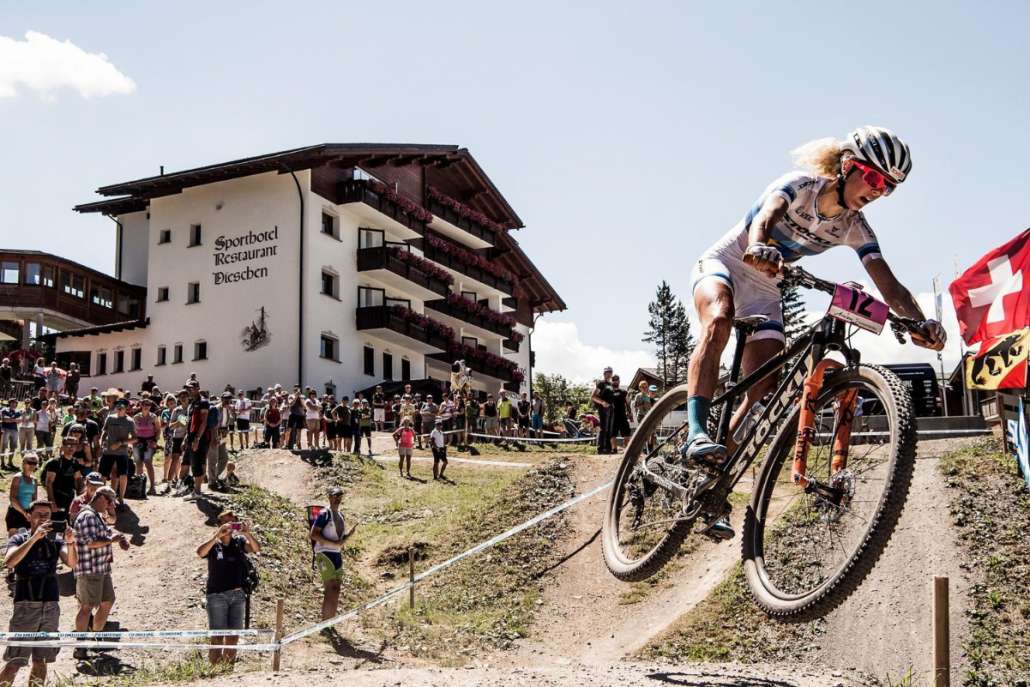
{"x":702,"y":449}
{"x":719,"y":530}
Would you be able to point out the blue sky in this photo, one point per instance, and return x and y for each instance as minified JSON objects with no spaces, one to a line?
{"x":628,"y":136}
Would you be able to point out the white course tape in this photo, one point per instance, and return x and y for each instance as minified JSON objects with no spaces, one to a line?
{"x":167,"y":646}
{"x":301,"y":634}
{"x":136,"y":634}
{"x":533,"y":439}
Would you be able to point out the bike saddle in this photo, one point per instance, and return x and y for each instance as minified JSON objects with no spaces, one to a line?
{"x":750,"y":323}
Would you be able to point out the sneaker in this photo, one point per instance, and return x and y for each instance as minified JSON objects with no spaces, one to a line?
{"x":701,"y":449}
{"x":80,"y":655}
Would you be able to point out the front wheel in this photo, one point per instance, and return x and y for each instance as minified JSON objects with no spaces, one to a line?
{"x":803,"y":550}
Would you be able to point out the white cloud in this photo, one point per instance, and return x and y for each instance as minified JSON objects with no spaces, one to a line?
{"x":44,"y":65}
{"x":560,"y":350}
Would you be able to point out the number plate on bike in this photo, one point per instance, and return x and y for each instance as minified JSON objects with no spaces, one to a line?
{"x":857,"y":307}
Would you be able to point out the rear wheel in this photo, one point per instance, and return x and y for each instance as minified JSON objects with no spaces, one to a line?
{"x":644,"y":524}
{"x":803,"y":550}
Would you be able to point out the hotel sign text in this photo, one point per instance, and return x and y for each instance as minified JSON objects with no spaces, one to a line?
{"x":253,"y":245}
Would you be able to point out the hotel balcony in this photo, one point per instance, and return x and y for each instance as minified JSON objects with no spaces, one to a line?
{"x":462,"y":229}
{"x":387,"y":323}
{"x":379,"y":209}
{"x":511,"y":345}
{"x":473,"y":323}
{"x":486,"y":282}
{"x":499,"y":372}
{"x":386,"y":266}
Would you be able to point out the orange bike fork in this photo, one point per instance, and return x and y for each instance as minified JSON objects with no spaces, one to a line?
{"x":806,"y":422}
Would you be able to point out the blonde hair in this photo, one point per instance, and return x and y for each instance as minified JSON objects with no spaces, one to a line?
{"x":821,"y":156}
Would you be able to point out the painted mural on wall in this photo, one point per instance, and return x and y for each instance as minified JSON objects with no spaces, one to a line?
{"x":256,"y":334}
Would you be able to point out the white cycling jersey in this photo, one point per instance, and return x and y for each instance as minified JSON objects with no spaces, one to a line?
{"x":801,"y":231}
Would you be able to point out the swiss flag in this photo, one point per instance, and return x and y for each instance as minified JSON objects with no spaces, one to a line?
{"x":993,"y":296}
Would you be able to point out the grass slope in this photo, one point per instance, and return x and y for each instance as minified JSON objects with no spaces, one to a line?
{"x":991,"y":509}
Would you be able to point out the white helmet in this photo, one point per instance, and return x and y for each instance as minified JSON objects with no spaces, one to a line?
{"x":882,"y":149}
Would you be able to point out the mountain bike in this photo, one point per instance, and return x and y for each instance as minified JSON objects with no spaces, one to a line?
{"x":825,"y":499}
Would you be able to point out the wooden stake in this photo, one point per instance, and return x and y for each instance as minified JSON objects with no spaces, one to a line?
{"x":278,"y":634}
{"x":411,"y":576}
{"x":941,"y":634}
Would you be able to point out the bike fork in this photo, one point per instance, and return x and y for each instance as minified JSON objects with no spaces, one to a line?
{"x":806,"y":423}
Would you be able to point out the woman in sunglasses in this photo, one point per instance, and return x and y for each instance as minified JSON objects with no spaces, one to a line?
{"x":802,"y":213}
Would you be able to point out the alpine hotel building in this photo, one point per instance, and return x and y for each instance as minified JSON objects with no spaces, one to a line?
{"x":336,"y":266}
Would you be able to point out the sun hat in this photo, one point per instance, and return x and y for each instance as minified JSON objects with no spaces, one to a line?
{"x":95,"y":478}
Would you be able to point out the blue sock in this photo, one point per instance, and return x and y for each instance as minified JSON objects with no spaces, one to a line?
{"x":697,"y":415}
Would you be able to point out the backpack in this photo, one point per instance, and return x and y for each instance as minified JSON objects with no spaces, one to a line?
{"x":250,"y":575}
{"x":136,"y":487}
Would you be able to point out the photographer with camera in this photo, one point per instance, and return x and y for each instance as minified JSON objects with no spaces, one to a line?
{"x":226,"y":553}
{"x":33,"y":555}
{"x":93,"y":586}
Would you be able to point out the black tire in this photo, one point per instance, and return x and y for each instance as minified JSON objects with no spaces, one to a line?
{"x":894,"y":463}
{"x":635,"y":568}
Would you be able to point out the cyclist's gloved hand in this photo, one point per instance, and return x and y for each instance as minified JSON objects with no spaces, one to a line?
{"x":766,"y":259}
{"x":931,"y":335}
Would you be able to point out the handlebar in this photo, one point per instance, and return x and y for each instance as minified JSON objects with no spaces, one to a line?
{"x":798,"y":276}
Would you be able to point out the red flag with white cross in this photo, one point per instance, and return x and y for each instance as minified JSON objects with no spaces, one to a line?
{"x":992,"y":297}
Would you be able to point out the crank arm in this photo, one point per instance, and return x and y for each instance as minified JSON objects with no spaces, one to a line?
{"x":659,"y":481}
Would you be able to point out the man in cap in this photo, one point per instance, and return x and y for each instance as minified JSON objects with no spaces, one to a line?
{"x":94,"y":539}
{"x":602,"y":399}
{"x":328,"y":533}
{"x":438,"y":442}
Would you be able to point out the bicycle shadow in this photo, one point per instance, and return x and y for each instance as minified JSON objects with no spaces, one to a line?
{"x":128,"y":522}
{"x":706,"y":680}
{"x":344,"y":647}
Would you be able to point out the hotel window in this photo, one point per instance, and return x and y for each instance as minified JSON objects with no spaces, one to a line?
{"x":371,"y":238}
{"x":471,"y":295}
{"x":193,"y":292}
{"x":177,"y":354}
{"x":162,"y":294}
{"x":200,"y":350}
{"x":119,"y":362}
{"x":128,"y":306}
{"x":328,"y":348}
{"x":330,"y":225}
{"x":194,"y":235}
{"x":39,"y":275}
{"x":162,"y":356}
{"x":387,"y":366}
{"x":73,"y":284}
{"x":101,"y":296}
{"x":405,"y":369}
{"x":9,"y":273}
{"x":165,"y":236}
{"x":136,"y":360}
{"x":369,"y":367}
{"x":403,"y":302}
{"x":369,"y":297}
{"x":330,"y":284}
{"x":101,"y":363}
{"x":470,"y":341}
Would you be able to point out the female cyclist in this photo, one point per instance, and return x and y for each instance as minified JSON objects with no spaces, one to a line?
{"x":801,"y":213}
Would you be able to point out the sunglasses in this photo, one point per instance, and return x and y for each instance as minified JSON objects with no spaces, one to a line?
{"x":874,"y":178}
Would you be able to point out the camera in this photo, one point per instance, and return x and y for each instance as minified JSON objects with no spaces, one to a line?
{"x":236,"y":526}
{"x":59,"y":523}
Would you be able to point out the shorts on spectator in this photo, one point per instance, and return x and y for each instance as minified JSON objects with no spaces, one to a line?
{"x":15,"y":520}
{"x":379,"y":414}
{"x":366,"y":431}
{"x":538,"y":422}
{"x":117,"y":462}
{"x":93,"y":590}
{"x":242,"y":425}
{"x":198,"y":458}
{"x":524,"y":422}
{"x":225,"y":610}
{"x":343,"y":430}
{"x":404,"y":452}
{"x":177,"y":445}
{"x":313,"y":425}
{"x":295,"y":422}
{"x":272,"y":436}
{"x":33,"y":616}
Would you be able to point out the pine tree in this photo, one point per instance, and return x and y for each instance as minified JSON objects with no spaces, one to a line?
{"x":793,"y":308}
{"x":660,"y":329}
{"x":682,"y":344}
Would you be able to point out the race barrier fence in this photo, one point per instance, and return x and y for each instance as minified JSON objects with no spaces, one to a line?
{"x":72,"y":639}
